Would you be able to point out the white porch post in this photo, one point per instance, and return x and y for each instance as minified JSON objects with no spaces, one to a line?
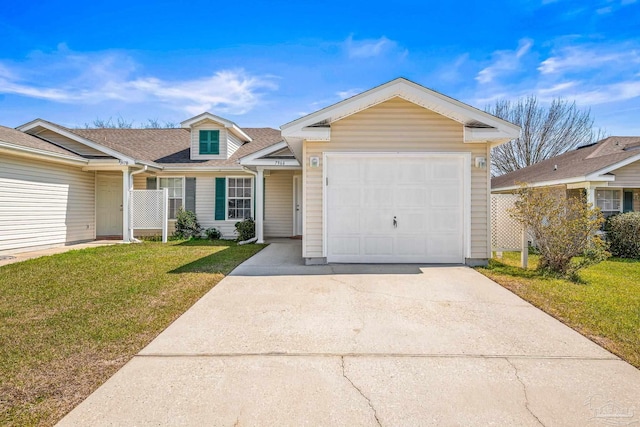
{"x":260,"y":205}
{"x":591,"y":195}
{"x":126,"y":232}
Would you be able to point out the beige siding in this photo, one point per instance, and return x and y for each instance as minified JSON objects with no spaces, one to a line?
{"x":278,"y":207}
{"x":205,"y":201}
{"x":394,"y":126}
{"x":627,"y":176}
{"x":69,"y":143}
{"x":195,"y":140}
{"x":44,"y":204}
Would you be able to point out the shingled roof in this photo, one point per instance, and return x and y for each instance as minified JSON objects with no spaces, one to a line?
{"x":170,"y":147}
{"x":577,"y":163}
{"x":15,"y":137}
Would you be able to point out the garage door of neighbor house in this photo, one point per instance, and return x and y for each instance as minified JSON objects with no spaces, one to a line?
{"x":398,"y":208}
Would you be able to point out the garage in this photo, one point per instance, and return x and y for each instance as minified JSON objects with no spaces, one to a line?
{"x":396,"y":208}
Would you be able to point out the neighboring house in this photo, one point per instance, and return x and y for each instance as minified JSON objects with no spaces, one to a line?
{"x":607,"y":172}
{"x":396,"y":174}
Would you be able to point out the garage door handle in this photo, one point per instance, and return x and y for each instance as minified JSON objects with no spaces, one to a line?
{"x":395,"y":222}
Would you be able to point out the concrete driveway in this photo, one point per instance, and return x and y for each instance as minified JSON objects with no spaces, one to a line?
{"x":278,"y":343}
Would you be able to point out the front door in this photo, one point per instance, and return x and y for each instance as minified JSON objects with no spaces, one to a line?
{"x":297,"y":205}
{"x":627,"y":205}
{"x":109,"y":205}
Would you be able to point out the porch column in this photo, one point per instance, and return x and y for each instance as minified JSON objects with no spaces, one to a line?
{"x":591,"y":195}
{"x":260,"y":205}
{"x":126,"y":233}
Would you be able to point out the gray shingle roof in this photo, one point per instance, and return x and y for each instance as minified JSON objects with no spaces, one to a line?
{"x":15,"y":137}
{"x":170,"y":147}
{"x":572,"y":164}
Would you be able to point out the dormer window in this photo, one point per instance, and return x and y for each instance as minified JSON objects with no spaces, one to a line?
{"x":210,"y":142}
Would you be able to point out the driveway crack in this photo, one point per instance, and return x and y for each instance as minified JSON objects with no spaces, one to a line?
{"x":375,"y":413}
{"x":524,"y":389}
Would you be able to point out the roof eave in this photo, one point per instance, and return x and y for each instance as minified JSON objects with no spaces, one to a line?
{"x":563,"y":181}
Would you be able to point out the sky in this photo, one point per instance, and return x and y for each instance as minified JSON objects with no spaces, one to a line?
{"x":267,"y":63}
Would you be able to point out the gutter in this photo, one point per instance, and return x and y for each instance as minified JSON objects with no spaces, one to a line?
{"x":34,"y":152}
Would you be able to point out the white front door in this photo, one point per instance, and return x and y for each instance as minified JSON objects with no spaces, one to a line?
{"x":395,"y":208}
{"x":297,"y":205}
{"x":109,"y":205}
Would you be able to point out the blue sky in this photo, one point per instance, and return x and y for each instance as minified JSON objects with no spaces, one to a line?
{"x":267,"y":63}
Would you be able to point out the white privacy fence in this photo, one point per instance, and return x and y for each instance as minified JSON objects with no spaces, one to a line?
{"x":507,"y":234}
{"x":149,"y":210}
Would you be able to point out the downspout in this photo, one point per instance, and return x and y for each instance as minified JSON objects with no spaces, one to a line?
{"x":129,"y":228}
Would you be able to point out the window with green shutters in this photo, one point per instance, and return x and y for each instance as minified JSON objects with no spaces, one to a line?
{"x":209,"y":142}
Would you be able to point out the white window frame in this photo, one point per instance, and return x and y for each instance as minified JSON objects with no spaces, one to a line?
{"x":613,"y":191}
{"x":183,"y":190}
{"x":227,"y":197}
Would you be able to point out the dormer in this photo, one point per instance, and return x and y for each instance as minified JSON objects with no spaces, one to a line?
{"x":213,"y":138}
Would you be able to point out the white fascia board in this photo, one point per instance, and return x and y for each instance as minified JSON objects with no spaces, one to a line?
{"x":272,"y":163}
{"x":615,"y":166}
{"x":587,"y":184}
{"x":239,"y":133}
{"x":295,"y":145}
{"x":41,"y":154}
{"x":556,"y":182}
{"x":309,"y":133}
{"x":411,"y":92}
{"x":263,"y":152}
{"x":113,"y":153}
{"x":494,"y":135}
{"x":202,"y":169}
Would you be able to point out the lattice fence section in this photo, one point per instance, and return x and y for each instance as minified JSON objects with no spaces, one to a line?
{"x":148,"y":209}
{"x":506,"y":232}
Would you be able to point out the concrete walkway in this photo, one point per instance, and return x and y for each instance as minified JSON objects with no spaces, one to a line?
{"x":10,"y":258}
{"x":364,"y":345}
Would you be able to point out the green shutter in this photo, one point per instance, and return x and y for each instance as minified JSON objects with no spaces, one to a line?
{"x":152,"y":183}
{"x":221,"y":193}
{"x":190,"y":194}
{"x":209,"y":142}
{"x":214,"y":142}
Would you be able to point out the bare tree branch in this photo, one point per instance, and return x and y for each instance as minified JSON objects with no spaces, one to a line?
{"x":546,"y":132}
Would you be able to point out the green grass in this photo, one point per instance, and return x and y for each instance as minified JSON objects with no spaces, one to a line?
{"x":70,"y":321}
{"x":604,"y":305}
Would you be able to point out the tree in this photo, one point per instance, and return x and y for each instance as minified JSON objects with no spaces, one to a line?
{"x":565,"y":229}
{"x":546,"y":132}
{"x":121,"y":123}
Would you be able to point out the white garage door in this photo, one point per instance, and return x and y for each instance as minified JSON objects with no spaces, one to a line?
{"x":395,"y":208}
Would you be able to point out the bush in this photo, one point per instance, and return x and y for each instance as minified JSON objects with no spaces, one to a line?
{"x":623,"y":234}
{"x":187,"y":226}
{"x":565,"y":230}
{"x":213,"y":233}
{"x":246,"y":229}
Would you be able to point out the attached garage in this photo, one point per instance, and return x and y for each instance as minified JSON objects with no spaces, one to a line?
{"x":396,"y":208}
{"x":396,"y":174}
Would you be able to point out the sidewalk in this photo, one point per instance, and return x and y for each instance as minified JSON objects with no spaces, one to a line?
{"x":10,"y":258}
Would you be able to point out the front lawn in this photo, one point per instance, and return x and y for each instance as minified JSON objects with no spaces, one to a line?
{"x":604,"y":306}
{"x":70,"y":321}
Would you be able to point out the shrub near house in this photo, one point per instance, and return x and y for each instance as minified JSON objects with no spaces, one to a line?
{"x":623,"y":234}
{"x":564,"y":229}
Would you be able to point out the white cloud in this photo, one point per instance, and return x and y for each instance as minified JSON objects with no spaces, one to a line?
{"x":68,"y":77}
{"x":504,"y":62}
{"x":369,"y":48}
{"x":580,"y":58}
{"x":344,"y":94}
